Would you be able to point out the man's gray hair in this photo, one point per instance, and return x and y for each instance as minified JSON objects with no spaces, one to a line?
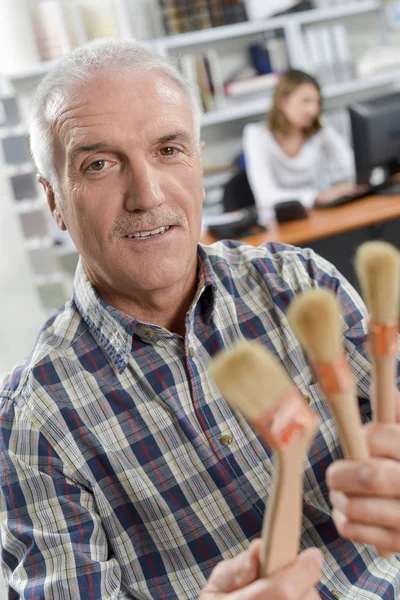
{"x":107,"y":55}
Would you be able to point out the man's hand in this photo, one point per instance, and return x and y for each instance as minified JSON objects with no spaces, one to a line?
{"x":236,"y":578}
{"x":366,"y":495}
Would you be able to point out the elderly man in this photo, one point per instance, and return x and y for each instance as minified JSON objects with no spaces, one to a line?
{"x":124,"y":473}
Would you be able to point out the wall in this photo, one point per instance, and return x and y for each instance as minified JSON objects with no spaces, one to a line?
{"x":19,"y":302}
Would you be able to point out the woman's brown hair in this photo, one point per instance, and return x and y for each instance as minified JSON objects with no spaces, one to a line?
{"x":288,"y":82}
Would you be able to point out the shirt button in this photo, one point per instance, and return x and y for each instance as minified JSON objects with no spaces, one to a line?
{"x":191,"y":352}
{"x":226,"y":440}
{"x":335,"y":594}
{"x":150,"y":333}
{"x":307,"y":399}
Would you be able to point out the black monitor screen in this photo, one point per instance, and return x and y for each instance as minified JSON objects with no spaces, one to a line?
{"x":375,"y":127}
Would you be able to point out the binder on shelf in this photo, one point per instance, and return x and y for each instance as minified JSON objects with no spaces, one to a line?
{"x":51,"y":29}
{"x":344,"y":68}
{"x":155,"y":19}
{"x":215,"y":75}
{"x":278,"y":55}
{"x":312,"y":41}
{"x":123,"y":19}
{"x":189,"y":70}
{"x":74,"y":22}
{"x":328,"y":57}
{"x":99,"y":18}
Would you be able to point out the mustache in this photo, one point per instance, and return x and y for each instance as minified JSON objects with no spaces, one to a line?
{"x":125,"y":224}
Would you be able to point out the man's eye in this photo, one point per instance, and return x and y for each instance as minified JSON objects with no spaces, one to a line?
{"x":168,"y":151}
{"x":98,"y":165}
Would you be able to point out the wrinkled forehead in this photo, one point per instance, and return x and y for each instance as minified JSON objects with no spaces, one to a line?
{"x":129,"y":103}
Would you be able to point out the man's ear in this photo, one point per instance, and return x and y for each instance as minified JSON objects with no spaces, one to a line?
{"x":51,"y":201}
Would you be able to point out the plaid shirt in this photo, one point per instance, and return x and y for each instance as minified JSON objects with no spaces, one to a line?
{"x":126,"y":475}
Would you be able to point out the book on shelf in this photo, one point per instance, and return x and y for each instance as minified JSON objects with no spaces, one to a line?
{"x":216,"y":11}
{"x":180,"y":16}
{"x":251,"y":85}
{"x":203,"y":73}
{"x":204,"y":83}
{"x":198,"y":14}
{"x":234,"y":11}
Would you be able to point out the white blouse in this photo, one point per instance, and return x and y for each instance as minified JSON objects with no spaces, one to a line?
{"x":275,"y":177}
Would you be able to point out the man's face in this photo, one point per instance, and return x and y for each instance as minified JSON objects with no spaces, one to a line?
{"x":131,"y":182}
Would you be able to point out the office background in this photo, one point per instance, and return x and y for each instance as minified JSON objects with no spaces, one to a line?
{"x":351,"y":46}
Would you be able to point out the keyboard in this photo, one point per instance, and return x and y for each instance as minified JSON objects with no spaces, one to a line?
{"x":341,"y":200}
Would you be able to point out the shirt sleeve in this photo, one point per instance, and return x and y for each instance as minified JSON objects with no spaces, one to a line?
{"x":263,"y":184}
{"x":339,"y":154}
{"x":52,"y":541}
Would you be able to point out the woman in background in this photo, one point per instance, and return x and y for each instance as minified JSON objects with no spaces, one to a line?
{"x":283,"y":155}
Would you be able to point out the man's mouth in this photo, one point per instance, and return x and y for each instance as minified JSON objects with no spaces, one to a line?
{"x":147,"y":234}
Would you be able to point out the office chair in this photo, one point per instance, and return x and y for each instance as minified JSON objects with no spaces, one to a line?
{"x":237,"y":193}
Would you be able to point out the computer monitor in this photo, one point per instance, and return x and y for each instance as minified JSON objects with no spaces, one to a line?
{"x":375,"y":128}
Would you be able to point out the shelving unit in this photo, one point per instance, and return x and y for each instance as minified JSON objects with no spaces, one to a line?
{"x":221,"y":128}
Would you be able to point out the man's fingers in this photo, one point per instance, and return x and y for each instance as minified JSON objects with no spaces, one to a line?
{"x":233,"y":574}
{"x":297,"y":579}
{"x":367,"y":534}
{"x":313,"y":595}
{"x":383,"y":440}
{"x":374,"y":477}
{"x":291,"y":583}
{"x":368,"y":511}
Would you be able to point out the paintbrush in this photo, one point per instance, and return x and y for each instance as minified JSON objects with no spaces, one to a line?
{"x":316,"y":321}
{"x":378,"y":269}
{"x":252,"y":380}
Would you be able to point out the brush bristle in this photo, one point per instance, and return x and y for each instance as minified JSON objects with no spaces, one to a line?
{"x":250,"y":378}
{"x":315,"y":319}
{"x":378,"y":269}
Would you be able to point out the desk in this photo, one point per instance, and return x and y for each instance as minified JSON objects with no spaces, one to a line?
{"x":335,"y":233}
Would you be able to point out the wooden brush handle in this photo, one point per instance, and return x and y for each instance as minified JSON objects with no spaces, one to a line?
{"x":385,"y":388}
{"x":282,"y":521}
{"x":346,"y":413}
{"x":345,"y":409}
{"x":385,"y":399}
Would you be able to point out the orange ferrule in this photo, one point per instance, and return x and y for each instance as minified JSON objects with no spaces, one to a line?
{"x":334,"y":377}
{"x":383,"y":338}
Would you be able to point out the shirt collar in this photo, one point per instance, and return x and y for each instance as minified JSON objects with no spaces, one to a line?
{"x":114,"y":330}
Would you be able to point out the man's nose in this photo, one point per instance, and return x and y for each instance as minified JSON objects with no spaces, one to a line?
{"x":144,"y":191}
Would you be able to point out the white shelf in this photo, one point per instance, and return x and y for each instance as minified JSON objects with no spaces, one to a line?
{"x":246,"y":108}
{"x":29,"y":205}
{"x":256,"y":106}
{"x":36,"y":70}
{"x":214,"y":34}
{"x":41,"y":280}
{"x":361,"y":85}
{"x":12,"y":131}
{"x":66,"y":250}
{"x":23,"y":169}
{"x":35,"y":243}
